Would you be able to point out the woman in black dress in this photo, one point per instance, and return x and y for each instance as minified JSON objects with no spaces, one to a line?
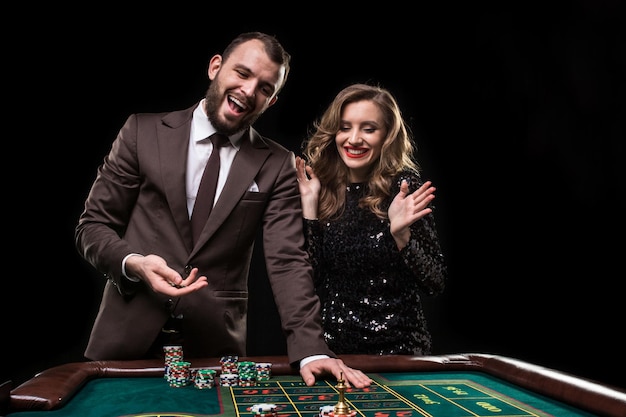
{"x":369,"y":224}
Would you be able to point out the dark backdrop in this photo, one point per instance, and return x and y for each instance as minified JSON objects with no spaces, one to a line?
{"x":519,"y":119}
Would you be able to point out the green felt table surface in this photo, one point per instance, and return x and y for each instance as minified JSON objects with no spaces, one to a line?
{"x":398,"y":394}
{"x":465,"y":384}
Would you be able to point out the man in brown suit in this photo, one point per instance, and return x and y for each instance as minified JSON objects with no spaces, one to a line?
{"x":136,"y":230}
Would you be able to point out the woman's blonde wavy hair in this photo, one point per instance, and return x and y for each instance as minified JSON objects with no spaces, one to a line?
{"x":396,"y":156}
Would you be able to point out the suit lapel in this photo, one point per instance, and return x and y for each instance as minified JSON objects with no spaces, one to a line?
{"x":246,"y":165}
{"x":173,"y":143}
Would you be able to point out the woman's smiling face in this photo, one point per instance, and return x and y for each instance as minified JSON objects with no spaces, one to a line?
{"x":360,"y":138}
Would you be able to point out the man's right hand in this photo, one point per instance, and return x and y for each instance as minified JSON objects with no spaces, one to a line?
{"x":155,"y":272}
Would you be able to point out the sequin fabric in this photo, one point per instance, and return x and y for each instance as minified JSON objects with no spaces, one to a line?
{"x":369,"y":290}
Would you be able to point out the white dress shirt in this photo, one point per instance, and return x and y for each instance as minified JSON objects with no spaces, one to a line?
{"x":200,"y":148}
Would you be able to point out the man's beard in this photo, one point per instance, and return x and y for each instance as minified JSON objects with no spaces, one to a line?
{"x":213,"y":100}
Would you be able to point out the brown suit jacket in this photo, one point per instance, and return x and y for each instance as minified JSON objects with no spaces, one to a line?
{"x":137,"y":204}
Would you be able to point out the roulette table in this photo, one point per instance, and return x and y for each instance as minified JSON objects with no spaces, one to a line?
{"x":457,"y":385}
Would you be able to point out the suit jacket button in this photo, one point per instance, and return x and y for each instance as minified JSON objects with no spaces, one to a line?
{"x":188,"y":269}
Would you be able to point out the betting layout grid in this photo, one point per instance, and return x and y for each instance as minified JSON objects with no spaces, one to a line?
{"x":289,"y":396}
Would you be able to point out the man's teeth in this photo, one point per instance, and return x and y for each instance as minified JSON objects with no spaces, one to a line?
{"x":238,"y":103}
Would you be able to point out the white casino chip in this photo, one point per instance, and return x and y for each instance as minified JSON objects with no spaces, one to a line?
{"x":263,"y":408}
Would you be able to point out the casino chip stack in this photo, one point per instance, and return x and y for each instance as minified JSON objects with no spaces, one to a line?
{"x":229,"y":380}
{"x":247,"y":373}
{"x":263,"y":371}
{"x":179,"y":374}
{"x":205,"y":378}
{"x":229,"y":376}
{"x":229,"y":364}
{"x":173,"y":353}
{"x":244,"y":373}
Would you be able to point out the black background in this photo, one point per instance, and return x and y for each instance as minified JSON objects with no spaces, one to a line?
{"x":519,"y":116}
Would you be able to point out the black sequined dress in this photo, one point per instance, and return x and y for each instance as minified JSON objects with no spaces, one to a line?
{"x":370,"y":291}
